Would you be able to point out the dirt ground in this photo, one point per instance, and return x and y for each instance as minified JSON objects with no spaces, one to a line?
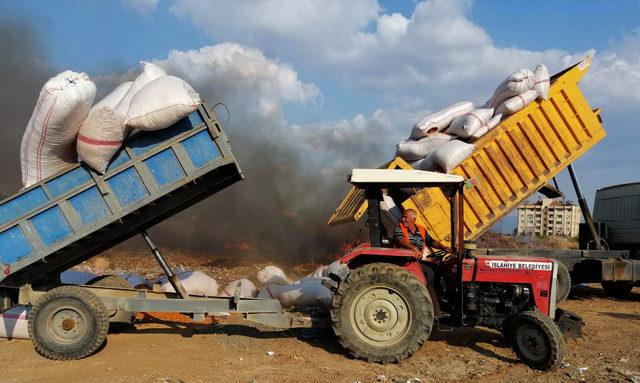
{"x":226,"y":350}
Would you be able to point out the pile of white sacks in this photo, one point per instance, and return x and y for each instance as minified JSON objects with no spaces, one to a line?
{"x":442,"y":140}
{"x":308,"y":291}
{"x":65,"y":123}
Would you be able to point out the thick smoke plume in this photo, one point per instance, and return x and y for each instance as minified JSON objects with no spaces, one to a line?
{"x":23,"y":71}
{"x":295,"y":176}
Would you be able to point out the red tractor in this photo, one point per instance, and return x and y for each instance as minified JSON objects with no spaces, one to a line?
{"x":383,"y":309}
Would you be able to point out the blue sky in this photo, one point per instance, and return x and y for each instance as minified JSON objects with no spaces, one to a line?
{"x":352,"y":77}
{"x":102,"y":36}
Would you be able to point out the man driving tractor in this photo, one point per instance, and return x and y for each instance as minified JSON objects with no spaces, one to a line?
{"x":408,"y":234}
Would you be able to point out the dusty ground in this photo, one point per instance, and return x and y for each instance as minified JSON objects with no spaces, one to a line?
{"x":227,"y":351}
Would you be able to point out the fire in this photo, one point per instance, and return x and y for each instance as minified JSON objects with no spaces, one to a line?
{"x":240,"y":246}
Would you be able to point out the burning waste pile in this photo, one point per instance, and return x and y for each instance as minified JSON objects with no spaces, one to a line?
{"x":65,"y":123}
{"x":443,"y":140}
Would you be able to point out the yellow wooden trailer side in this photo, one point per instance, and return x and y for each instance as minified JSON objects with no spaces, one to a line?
{"x":511,"y":162}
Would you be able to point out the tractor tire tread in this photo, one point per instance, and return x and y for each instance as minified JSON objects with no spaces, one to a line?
{"x":556,"y":340}
{"x":383,"y":272}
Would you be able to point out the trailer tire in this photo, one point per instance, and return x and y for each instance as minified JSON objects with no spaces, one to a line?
{"x":119,"y":320}
{"x":537,"y":340}
{"x":68,"y":323}
{"x":617,"y":289}
{"x":564,"y":283}
{"x":381,"y":313}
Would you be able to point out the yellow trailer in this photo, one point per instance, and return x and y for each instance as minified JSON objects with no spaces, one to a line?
{"x":511,"y":162}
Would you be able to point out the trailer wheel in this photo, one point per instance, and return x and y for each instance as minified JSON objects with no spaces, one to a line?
{"x":68,"y":323}
{"x":381,"y":313}
{"x":617,"y":289}
{"x":564,"y":283}
{"x":119,"y":320}
{"x":537,"y":340}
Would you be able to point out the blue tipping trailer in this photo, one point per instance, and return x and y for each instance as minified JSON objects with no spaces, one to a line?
{"x":77,"y":213}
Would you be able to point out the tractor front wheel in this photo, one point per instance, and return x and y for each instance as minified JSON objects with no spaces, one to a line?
{"x":382,"y":313}
{"x":537,"y":340}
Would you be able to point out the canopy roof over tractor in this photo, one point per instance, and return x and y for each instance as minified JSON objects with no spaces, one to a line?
{"x":401,"y":178}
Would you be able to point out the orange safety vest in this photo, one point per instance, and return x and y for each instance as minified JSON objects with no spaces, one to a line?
{"x":422,"y":230}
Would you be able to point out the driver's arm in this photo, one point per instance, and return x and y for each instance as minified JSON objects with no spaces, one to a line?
{"x":437,"y":244}
{"x":400,"y":241}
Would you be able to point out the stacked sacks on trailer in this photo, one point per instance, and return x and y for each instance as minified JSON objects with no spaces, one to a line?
{"x":151,"y":102}
{"x":444,"y":139}
{"x":65,"y":126}
{"x":48,"y":143}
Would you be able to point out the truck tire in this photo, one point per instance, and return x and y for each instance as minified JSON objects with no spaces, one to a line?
{"x":537,"y":340}
{"x":67,"y":323}
{"x":119,"y":320}
{"x":564,"y":283}
{"x":617,"y":289}
{"x":381,"y":313}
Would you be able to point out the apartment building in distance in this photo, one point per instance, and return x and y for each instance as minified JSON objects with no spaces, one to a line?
{"x":548,"y":217}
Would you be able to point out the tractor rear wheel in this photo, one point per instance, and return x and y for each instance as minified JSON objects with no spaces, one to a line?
{"x":119,"y":320}
{"x":617,"y":289}
{"x":564,"y":283}
{"x":537,"y":340}
{"x":382,"y":313}
{"x":67,"y":323}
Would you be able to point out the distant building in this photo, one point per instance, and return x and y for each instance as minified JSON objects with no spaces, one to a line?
{"x":549,"y":217}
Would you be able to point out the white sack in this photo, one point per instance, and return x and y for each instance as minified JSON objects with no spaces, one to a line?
{"x":267,"y":292}
{"x":161,"y":103}
{"x":391,"y":213}
{"x":542,"y":81}
{"x":517,"y":103}
{"x":14,"y":323}
{"x":336,"y":267}
{"x":492,"y":123}
{"x":428,"y":163}
{"x":71,"y":277}
{"x":48,"y":143}
{"x":319,"y":272}
{"x":273,"y":275}
{"x":413,"y":150}
{"x":244,"y":287}
{"x":466,"y":125}
{"x":449,"y":156}
{"x":516,"y":83}
{"x":440,"y":120}
{"x":149,"y":73}
{"x":102,"y":133}
{"x":135,"y":280}
{"x":194,"y":282}
{"x":310,"y":293}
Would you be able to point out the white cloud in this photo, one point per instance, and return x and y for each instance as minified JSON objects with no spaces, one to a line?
{"x":283,"y":28}
{"x":241,"y":77}
{"x":614,"y":80}
{"x":143,"y":7}
{"x":435,"y":57}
